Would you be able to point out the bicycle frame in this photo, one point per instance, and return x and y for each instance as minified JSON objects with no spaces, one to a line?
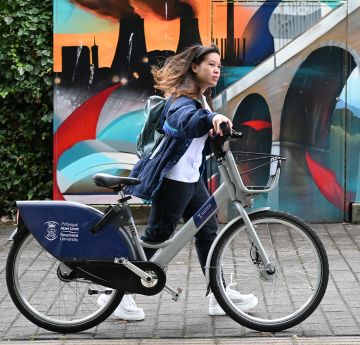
{"x":231,"y":189}
{"x":73,"y":223}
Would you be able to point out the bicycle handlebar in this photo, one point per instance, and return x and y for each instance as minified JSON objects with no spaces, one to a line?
{"x":217,"y":142}
{"x":229,"y":132}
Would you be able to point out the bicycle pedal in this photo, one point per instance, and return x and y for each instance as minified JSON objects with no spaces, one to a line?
{"x":174,"y":293}
{"x":97,"y":292}
{"x":177,"y":294}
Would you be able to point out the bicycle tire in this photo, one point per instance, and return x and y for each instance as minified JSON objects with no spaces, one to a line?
{"x":45,"y":299}
{"x":286,"y":296}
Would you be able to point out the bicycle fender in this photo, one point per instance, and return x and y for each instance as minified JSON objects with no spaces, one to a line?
{"x":63,"y":229}
{"x":208,"y":260}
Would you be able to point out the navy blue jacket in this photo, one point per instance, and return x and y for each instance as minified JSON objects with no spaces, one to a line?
{"x":186,"y":119}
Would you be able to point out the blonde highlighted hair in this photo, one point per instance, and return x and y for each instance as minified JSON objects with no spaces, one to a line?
{"x":176,"y":77}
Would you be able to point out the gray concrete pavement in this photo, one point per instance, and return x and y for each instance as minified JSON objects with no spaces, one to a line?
{"x":336,"y":321}
{"x":200,"y":341}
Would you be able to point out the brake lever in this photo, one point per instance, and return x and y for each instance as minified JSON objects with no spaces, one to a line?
{"x":236,"y":134}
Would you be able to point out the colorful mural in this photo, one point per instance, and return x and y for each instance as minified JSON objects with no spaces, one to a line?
{"x":307,"y":109}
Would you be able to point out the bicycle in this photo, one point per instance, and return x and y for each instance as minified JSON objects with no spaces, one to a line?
{"x":65,"y":254}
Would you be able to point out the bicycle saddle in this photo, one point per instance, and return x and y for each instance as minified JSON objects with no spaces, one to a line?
{"x":112,"y":181}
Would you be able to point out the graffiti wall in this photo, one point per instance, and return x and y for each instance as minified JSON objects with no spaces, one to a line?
{"x":305,"y":106}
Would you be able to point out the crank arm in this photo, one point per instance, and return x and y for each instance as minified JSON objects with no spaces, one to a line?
{"x":139,"y":272}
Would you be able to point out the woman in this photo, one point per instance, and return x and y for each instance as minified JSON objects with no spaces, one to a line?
{"x":171,"y":176}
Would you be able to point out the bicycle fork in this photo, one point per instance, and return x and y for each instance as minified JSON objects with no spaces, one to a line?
{"x":251,"y":232}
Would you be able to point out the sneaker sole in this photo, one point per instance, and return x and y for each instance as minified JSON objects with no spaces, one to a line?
{"x":216,"y":311}
{"x":245,"y":306}
{"x":129,"y":317}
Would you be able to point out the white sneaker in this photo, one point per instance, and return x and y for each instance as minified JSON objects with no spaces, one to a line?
{"x":243,"y":302}
{"x":126,"y":310}
{"x":214,"y":307}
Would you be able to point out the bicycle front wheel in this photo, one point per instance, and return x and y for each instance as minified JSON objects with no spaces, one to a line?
{"x":47,"y":297}
{"x":289,"y":290}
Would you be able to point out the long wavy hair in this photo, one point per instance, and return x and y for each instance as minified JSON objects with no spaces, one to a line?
{"x":176,"y":77}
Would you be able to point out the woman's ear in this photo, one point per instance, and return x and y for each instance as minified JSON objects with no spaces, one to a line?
{"x":194,"y":67}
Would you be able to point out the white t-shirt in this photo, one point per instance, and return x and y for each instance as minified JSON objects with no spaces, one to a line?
{"x":187,"y":168}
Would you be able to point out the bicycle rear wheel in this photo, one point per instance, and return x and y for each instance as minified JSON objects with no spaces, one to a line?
{"x":47,"y":298}
{"x":288,"y":293}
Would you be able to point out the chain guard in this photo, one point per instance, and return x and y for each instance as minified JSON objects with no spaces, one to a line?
{"x":119,"y":277}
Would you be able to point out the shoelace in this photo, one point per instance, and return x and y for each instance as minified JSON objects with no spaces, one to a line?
{"x":231,"y":282}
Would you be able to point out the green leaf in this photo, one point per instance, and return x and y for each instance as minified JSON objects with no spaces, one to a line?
{"x":8,"y":20}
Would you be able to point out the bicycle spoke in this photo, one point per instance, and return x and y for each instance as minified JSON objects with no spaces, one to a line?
{"x":47,"y":300}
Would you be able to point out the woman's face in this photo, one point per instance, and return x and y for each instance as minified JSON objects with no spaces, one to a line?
{"x":208,"y":71}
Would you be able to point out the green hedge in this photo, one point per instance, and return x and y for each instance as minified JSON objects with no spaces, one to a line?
{"x":25,"y":101}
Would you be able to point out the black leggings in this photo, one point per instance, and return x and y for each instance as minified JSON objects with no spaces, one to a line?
{"x":173,"y":201}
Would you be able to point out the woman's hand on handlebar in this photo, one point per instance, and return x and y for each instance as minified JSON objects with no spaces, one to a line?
{"x":217,"y":121}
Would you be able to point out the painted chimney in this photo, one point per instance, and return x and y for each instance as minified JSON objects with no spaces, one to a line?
{"x":230,"y":41}
{"x":130,"y":54}
{"x":75,"y":65}
{"x":189,"y":33}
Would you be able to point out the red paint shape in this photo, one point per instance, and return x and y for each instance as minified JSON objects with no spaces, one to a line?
{"x":80,"y":125}
{"x":213,"y":183}
{"x":325,"y":179}
{"x":258,"y":125}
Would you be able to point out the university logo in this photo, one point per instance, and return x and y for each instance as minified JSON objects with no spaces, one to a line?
{"x":52,"y":230}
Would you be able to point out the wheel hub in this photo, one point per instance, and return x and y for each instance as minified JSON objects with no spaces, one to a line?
{"x":65,"y":273}
{"x":154,"y":281}
{"x":269,"y":273}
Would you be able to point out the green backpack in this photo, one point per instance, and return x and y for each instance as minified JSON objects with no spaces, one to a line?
{"x":152,"y":133}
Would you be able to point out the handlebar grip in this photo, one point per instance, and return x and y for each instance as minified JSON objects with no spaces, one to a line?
{"x":225,"y":128}
{"x":229,"y":132}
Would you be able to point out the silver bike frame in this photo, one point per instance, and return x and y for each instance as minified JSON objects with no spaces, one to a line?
{"x":232,"y":189}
